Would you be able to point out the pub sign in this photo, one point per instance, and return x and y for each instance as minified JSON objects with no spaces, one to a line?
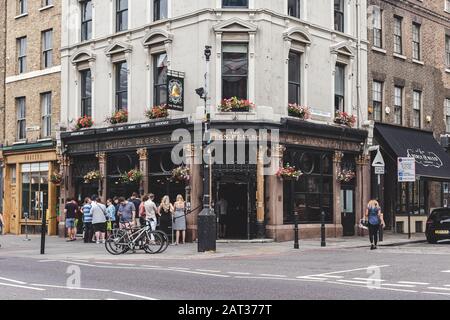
{"x":175,"y":90}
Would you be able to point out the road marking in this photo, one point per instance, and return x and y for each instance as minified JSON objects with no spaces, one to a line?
{"x":13,"y":281}
{"x":273,"y":275}
{"x":416,"y":283}
{"x":311,"y":278}
{"x":106,"y":263}
{"x":398,"y":285}
{"x":126,"y":264}
{"x":84,"y":261}
{"x":47,"y":261}
{"x":369,"y":279}
{"x":205,"y":270}
{"x":203,"y":273}
{"x":345,"y":271}
{"x":447,"y":285}
{"x":77,"y":263}
{"x":19,"y":286}
{"x":439,"y":288}
{"x":70,"y":299}
{"x":176,"y":268}
{"x":441,"y":293}
{"x":134,"y":295}
{"x":329,"y":276}
{"x":69,"y":288}
{"x":240,"y":273}
{"x":354,"y":281}
{"x":448,"y":271}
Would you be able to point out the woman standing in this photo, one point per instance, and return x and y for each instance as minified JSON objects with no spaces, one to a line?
{"x":165,"y":212}
{"x":179,"y":224}
{"x":110,"y":216}
{"x":375,"y":217}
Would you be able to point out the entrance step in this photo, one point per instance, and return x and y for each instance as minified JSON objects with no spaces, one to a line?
{"x":245,"y":241}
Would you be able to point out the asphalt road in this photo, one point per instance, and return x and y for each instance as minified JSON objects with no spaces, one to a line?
{"x":417,"y":271}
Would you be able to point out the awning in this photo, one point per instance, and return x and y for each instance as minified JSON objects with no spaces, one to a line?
{"x":431,"y":159}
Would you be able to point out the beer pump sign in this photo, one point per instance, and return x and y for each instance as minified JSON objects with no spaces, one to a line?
{"x":175,"y":90}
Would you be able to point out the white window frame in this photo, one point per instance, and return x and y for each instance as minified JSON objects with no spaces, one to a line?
{"x":46,"y":114}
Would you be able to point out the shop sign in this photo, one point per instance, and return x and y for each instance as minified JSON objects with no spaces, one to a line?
{"x":175,"y":90}
{"x":406,"y":170}
{"x":426,"y":159}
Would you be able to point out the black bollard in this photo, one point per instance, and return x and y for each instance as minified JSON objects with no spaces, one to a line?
{"x":322,"y":231}
{"x":296,"y":244}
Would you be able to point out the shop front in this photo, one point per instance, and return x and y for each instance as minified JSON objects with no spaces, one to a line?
{"x":29,"y":191}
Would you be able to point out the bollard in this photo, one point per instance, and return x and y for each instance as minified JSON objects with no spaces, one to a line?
{"x":322,"y":231}
{"x":26,"y":227}
{"x":296,"y":244}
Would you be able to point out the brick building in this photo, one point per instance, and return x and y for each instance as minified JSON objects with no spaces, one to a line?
{"x":32,"y":111}
{"x":409,"y":91}
{"x":2,"y":84}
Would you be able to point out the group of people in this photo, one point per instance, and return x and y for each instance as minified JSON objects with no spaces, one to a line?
{"x":100,"y":219}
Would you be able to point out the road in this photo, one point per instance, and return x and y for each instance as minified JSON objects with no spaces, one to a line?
{"x":415,"y":271}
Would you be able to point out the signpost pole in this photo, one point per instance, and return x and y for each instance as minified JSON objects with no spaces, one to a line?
{"x":408,"y":208}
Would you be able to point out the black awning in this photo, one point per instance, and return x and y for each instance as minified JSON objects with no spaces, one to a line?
{"x":431,"y":159}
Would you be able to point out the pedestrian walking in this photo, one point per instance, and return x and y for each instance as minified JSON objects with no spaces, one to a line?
{"x":142,"y":214}
{"x":137,"y":203}
{"x":87,"y":220}
{"x":150,"y":212}
{"x":165,"y":212}
{"x":374,"y":216}
{"x":179,"y":224}
{"x":110,"y":216}
{"x":98,"y":212}
{"x":70,"y":211}
{"x":127,"y":212}
{"x":2,"y":224}
{"x":116,"y":204}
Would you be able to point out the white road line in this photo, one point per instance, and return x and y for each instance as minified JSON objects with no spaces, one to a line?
{"x":84,"y":261}
{"x":175,"y":268}
{"x":13,"y":281}
{"x":68,"y":288}
{"x":369,"y":279}
{"x":329,"y":276}
{"x":438,"y":288}
{"x":398,"y":285}
{"x":345,"y":271}
{"x":441,"y":293}
{"x":354,"y":281}
{"x":19,"y":286}
{"x":78,"y":263}
{"x":106,"y":263}
{"x":240,"y":273}
{"x":203,"y":273}
{"x":126,"y":264}
{"x":147,"y":266}
{"x":311,"y":278}
{"x":205,"y":270}
{"x":448,"y":271}
{"x":134,"y":295}
{"x":70,"y":299}
{"x":400,"y":290}
{"x":273,"y":275}
{"x":47,"y":261}
{"x":416,"y":283}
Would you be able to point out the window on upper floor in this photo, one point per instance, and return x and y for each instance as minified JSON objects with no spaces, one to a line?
{"x":447,"y":51}
{"x":86,"y":93}
{"x":86,"y":20}
{"x":121,"y":15}
{"x":447,"y":114}
{"x":234,"y":70}
{"x":160,"y":69}
{"x":22,"y":54}
{"x":447,"y":5}
{"x":398,"y":47}
{"x":47,"y":49}
{"x":46,"y":3}
{"x":160,"y":10}
{"x":46,"y":114}
{"x":121,"y":71}
{"x":339,"y":88}
{"x":417,"y":106}
{"x":377,"y":27}
{"x":23,"y":7}
{"x":398,"y":105}
{"x":21,"y":118}
{"x":294,"y":8}
{"x":377,"y":100}
{"x":234,"y":3}
{"x":339,"y":15}
{"x":294,"y":77}
{"x":416,"y":41}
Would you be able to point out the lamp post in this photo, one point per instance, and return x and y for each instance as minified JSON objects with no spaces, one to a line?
{"x":207,"y":218}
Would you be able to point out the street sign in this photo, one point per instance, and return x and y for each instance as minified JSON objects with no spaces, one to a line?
{"x":378,"y":161}
{"x":379,"y":170}
{"x":406,"y":170}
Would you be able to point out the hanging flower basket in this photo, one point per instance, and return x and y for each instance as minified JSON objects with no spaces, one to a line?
{"x":92,"y":176}
{"x":346,"y":175}
{"x":345,"y":119}
{"x":120,"y":116}
{"x":132,"y":176}
{"x":301,"y":112}
{"x":181,"y":174}
{"x":56,"y":178}
{"x":157,"y":112}
{"x":84,"y":123}
{"x":289,"y":173}
{"x":235,"y":105}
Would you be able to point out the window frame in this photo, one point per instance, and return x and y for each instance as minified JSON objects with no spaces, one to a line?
{"x":336,"y":96}
{"x":119,"y":94}
{"x":84,"y":98}
{"x":46,"y":114}
{"x":417,"y":110}
{"x":86,"y":24}
{"x":339,"y":24}
{"x":447,"y":50}
{"x":47,"y":53}
{"x":297,"y":82}
{"x":447,"y":114}
{"x":244,"y":76}
{"x":398,"y":38}
{"x":398,"y":107}
{"x":22,"y":58}
{"x":297,"y":11}
{"x":21,"y":119}
{"x":156,"y":84}
{"x":416,"y":42}
{"x":377,"y":31}
{"x":377,"y":104}
{"x":119,"y":16}
{"x":224,"y":6}
{"x":23,"y":7}
{"x":157,"y":16}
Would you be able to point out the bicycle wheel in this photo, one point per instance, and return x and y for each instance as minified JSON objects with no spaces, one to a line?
{"x":165,"y":239}
{"x":152,"y":246}
{"x":116,"y":243}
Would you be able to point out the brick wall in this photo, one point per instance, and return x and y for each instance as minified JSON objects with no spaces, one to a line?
{"x":2,"y":67}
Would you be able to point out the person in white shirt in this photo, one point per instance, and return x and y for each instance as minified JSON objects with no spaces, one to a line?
{"x":98,"y":212}
{"x":150,"y":212}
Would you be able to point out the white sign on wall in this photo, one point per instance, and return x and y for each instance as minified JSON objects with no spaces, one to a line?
{"x":406,"y":169}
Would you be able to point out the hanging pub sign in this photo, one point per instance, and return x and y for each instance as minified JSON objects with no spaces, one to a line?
{"x":175,"y":90}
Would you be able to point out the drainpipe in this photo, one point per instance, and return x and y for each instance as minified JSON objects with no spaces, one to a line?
{"x":358,"y":63}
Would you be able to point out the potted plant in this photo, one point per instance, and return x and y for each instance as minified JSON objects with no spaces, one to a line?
{"x":92,"y":176}
{"x":344,"y":118}
{"x":346,"y":175}
{"x":56,"y":178}
{"x":301,"y":112}
{"x":120,"y":116}
{"x":132,"y":176}
{"x":235,"y":105}
{"x":157,"y":112}
{"x":289,"y":173}
{"x":84,"y":123}
{"x":181,"y":174}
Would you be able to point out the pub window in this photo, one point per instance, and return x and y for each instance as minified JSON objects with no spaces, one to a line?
{"x":234,"y":71}
{"x":377,"y":27}
{"x":398,"y":105}
{"x":121,"y":15}
{"x":339,"y":15}
{"x":447,"y":118}
{"x":377,"y":92}
{"x":47,"y":49}
{"x":34,"y":189}
{"x":21,"y":118}
{"x":417,"y":103}
{"x":23,"y":6}
{"x":416,"y":41}
{"x":159,"y":10}
{"x":412,"y":196}
{"x":22,"y":54}
{"x":86,"y":20}
{"x":294,"y":8}
{"x":86,"y":93}
{"x":46,"y":111}
{"x":234,"y":3}
{"x":398,"y":47}
{"x":160,"y":79}
{"x":294,"y":77}
{"x":13,"y":173}
{"x":447,"y":50}
{"x":339,"y":89}
{"x":121,"y":69}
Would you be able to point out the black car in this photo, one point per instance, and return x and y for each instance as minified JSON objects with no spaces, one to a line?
{"x":438,"y":225}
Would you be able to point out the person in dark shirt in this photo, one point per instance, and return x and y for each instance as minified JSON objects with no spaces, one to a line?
{"x":70,"y":211}
{"x":137,"y":203}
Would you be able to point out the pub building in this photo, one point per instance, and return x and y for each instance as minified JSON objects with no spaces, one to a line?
{"x":430,"y":190}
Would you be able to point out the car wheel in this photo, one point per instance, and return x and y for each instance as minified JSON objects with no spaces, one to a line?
{"x":431,"y":240}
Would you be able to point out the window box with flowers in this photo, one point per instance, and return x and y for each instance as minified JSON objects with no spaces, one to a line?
{"x":301,"y":112}
{"x":181,"y":174}
{"x":120,"y":116}
{"x":344,"y":118}
{"x":84,"y":122}
{"x":346,"y":176}
{"x":235,"y":105}
{"x":132,"y":176}
{"x":157,"y":112}
{"x":92,"y":176}
{"x":289,"y":173}
{"x":56,"y":178}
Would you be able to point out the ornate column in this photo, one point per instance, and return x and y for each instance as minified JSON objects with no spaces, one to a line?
{"x":362,"y":193}
{"x":103,"y":184}
{"x":275,"y":195}
{"x":143,"y":167}
{"x":337,"y":160}
{"x":193,"y":162}
{"x":66,"y":191}
{"x":260,"y":213}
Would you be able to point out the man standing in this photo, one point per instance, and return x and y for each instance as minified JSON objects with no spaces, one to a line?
{"x":127,"y":212}
{"x":150,"y":211}
{"x":2,"y":223}
{"x":70,"y":210}
{"x":87,"y":219}
{"x":137,"y":203}
{"x":98,"y":212}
